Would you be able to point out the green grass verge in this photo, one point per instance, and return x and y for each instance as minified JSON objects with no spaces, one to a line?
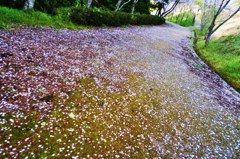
{"x":184,"y":19}
{"x":11,"y":17}
{"x":223,"y":55}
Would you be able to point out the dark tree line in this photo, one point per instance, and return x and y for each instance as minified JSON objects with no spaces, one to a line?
{"x":50,"y":6}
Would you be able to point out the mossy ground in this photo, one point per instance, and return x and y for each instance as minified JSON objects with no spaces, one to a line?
{"x":95,"y":122}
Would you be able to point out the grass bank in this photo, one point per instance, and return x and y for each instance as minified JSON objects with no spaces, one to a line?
{"x":184,"y":19}
{"x":74,"y":18}
{"x":223,"y":55}
{"x":10,"y":17}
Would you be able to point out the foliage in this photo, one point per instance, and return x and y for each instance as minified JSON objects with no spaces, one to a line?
{"x":47,"y":6}
{"x":223,"y":55}
{"x":9,"y":17}
{"x":18,"y":4}
{"x":50,"y":6}
{"x":139,"y":19}
{"x":101,"y":18}
{"x":184,"y":19}
{"x":107,"y":4}
{"x":159,"y":5}
{"x":142,"y":7}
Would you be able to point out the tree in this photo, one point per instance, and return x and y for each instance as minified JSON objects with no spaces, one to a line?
{"x":29,"y":4}
{"x":50,"y":6}
{"x":119,"y":6}
{"x":160,"y":6}
{"x":165,"y":7}
{"x":104,"y":4}
{"x":143,"y":7}
{"x":134,"y":5}
{"x":218,"y":9}
{"x":17,"y":4}
{"x":89,"y":3}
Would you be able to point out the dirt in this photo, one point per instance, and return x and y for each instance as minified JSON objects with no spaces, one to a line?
{"x":38,"y":65}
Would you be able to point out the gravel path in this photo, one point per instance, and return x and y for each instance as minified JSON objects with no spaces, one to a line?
{"x":163,"y":56}
{"x":188,"y":112}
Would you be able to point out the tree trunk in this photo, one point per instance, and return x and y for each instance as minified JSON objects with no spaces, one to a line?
{"x":118,"y":5}
{"x":124,"y":4}
{"x":29,"y":4}
{"x":89,"y":3}
{"x":207,"y":39}
{"x":209,"y":34}
{"x":195,"y":40}
{"x":194,"y":18}
{"x":133,"y":6}
{"x":212,"y":28}
{"x":166,"y":12}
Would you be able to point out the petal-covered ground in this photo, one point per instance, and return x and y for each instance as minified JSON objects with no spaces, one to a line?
{"x":137,"y":92}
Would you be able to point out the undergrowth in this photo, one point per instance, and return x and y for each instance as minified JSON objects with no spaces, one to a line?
{"x":184,"y":19}
{"x":96,"y":17}
{"x":11,"y":17}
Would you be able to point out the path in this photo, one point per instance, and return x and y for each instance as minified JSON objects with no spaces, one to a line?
{"x":188,"y":111}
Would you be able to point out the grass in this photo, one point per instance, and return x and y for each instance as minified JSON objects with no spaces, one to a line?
{"x":223,"y":55}
{"x":184,"y":19}
{"x":11,"y":17}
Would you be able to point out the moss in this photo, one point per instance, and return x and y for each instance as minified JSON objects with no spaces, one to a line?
{"x":137,"y":123}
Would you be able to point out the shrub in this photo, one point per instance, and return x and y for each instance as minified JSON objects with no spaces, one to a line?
{"x":19,"y":4}
{"x":9,"y":17}
{"x":83,"y":16}
{"x":142,"y":19}
{"x":47,"y":6}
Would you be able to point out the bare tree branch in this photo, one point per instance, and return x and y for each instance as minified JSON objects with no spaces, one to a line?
{"x":133,"y":6}
{"x":124,"y":4}
{"x":226,"y":19}
{"x":224,"y":6}
{"x":212,"y":28}
{"x":118,"y":5}
{"x":29,"y":4}
{"x":165,"y":13}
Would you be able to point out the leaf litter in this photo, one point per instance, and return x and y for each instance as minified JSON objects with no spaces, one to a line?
{"x":109,"y":93}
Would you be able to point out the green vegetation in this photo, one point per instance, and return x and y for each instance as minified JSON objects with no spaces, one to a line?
{"x":80,"y":17}
{"x":223,"y":55}
{"x":184,"y":19}
{"x":51,"y":6}
{"x":96,"y":17}
{"x":10,"y":17}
